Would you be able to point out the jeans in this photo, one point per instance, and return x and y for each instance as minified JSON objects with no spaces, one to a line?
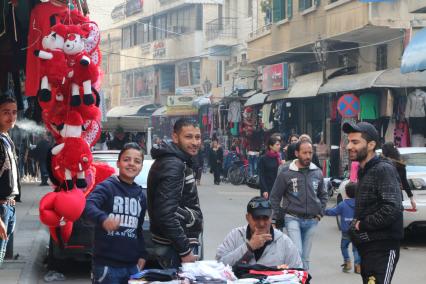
{"x":344,"y":245}
{"x":252,"y":170}
{"x":112,"y":275}
{"x":8,"y":216}
{"x":301,"y":232}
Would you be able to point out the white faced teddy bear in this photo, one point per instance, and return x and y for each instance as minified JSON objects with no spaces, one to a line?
{"x":53,"y":67}
{"x":84,"y":71}
{"x":73,"y":154}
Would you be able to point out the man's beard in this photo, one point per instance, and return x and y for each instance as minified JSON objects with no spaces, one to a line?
{"x":305,"y":163}
{"x":361,"y":155}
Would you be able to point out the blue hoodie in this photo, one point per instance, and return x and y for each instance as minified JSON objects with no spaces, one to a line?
{"x":346,"y":210}
{"x":115,"y":198}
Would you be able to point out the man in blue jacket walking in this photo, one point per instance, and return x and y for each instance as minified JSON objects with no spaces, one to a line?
{"x":346,"y":211}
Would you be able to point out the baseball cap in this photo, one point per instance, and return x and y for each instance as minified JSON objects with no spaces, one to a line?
{"x":362,"y":127}
{"x":259,"y":206}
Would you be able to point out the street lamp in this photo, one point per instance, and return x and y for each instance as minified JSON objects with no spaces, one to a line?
{"x":320,"y":51}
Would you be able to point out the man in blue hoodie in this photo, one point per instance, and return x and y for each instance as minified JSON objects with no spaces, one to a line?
{"x":117,"y":207}
{"x":346,"y":211}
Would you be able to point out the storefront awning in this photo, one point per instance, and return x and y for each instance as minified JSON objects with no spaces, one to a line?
{"x":414,"y":57}
{"x":277,"y":96}
{"x":175,"y":111}
{"x":256,"y":99}
{"x":124,"y":111}
{"x":390,"y":78}
{"x":308,"y":85}
{"x":249,"y":93}
{"x":350,"y":82}
{"x":160,"y":112}
{"x":127,"y":123}
{"x":393,"y":78}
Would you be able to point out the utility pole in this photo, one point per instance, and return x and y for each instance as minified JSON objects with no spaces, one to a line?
{"x":320,"y":50}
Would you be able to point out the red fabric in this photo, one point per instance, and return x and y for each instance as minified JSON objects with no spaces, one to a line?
{"x":46,"y":208}
{"x":265,"y":272}
{"x":56,"y":69}
{"x":39,"y":27}
{"x":73,"y":154}
{"x":64,"y":230}
{"x":275,"y":155}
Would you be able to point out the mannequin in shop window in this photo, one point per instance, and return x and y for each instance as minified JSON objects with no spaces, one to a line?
{"x":390,"y":152}
{"x":415,"y":111}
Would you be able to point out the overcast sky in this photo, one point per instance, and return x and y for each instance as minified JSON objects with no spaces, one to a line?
{"x":100,"y":11}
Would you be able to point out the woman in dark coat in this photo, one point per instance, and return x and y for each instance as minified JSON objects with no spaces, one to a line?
{"x":391,"y":152}
{"x":268,"y":166}
{"x":216,"y":160}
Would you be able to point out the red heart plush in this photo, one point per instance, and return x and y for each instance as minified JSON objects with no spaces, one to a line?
{"x":48,"y":215}
{"x":70,"y":204}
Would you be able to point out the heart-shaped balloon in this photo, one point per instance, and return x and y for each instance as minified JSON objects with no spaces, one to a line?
{"x":48,"y":215}
{"x":65,"y":232}
{"x":70,"y":204}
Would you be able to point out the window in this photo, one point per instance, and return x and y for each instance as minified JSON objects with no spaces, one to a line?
{"x":160,"y":26}
{"x":219,"y":73}
{"x":199,"y":18}
{"x":127,"y":39}
{"x":226,"y":69}
{"x":305,"y":4}
{"x":194,"y":68}
{"x":382,"y":57}
{"x":282,"y":9}
{"x":250,"y":8}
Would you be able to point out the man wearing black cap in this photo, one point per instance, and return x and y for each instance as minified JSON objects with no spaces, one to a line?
{"x":258,"y":242}
{"x":377,"y":226}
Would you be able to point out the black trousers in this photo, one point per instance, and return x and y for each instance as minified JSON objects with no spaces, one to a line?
{"x":378,"y":266}
{"x":216,"y":173}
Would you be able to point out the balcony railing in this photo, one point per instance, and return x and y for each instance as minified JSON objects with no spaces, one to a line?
{"x":261,"y":31}
{"x":221,"y":28}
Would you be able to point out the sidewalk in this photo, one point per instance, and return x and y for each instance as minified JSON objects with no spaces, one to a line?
{"x":30,"y":238}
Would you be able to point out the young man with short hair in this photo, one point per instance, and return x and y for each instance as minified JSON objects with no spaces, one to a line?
{"x":117,"y":207}
{"x":173,"y":205}
{"x":258,"y":242}
{"x":9,"y":177}
{"x":377,"y":228}
{"x":299,"y":193}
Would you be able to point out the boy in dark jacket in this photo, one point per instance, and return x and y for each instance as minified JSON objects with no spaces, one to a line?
{"x":117,"y":206}
{"x":346,"y":210}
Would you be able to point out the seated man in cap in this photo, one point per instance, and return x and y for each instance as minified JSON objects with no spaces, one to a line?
{"x":259,"y":242}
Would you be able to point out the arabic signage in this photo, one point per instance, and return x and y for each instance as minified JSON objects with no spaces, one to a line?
{"x":159,"y":49}
{"x":133,"y":7}
{"x":275,"y":77}
{"x":174,"y":101}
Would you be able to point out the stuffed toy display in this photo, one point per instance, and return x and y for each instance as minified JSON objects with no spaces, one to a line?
{"x":68,"y":65}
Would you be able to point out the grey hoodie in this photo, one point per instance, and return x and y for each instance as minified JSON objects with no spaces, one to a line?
{"x":299,"y":193}
{"x":281,"y":250}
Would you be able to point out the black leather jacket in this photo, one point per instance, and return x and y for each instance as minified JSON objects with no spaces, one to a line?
{"x":378,"y":205}
{"x":173,"y":204}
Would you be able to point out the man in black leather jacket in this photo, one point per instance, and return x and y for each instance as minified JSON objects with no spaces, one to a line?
{"x":173,"y":205}
{"x":377,"y":226}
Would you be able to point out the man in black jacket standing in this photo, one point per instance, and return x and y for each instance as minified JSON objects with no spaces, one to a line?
{"x":173,"y":205}
{"x":377,"y":226}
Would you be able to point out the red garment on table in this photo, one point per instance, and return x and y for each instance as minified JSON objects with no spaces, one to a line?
{"x":40,"y":22}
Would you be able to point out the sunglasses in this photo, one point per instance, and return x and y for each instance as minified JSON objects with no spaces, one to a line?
{"x":261,"y":204}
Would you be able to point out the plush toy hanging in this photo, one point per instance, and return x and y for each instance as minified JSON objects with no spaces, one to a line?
{"x":69,"y":61}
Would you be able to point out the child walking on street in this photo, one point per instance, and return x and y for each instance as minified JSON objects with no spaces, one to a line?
{"x":345,"y":210}
{"x":117,"y":206}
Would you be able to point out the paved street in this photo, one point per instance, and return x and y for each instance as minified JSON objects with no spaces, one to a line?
{"x":224,"y":208}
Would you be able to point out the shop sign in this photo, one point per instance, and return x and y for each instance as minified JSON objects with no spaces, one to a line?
{"x":185,"y":91}
{"x":275,"y":77}
{"x":180,"y":101}
{"x":146,"y":48}
{"x":133,"y":7}
{"x":348,"y":106}
{"x":159,"y":49}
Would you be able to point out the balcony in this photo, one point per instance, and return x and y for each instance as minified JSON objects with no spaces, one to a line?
{"x":416,"y":6}
{"x":222,"y":32}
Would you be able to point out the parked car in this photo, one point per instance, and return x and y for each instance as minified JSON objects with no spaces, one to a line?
{"x":415,"y":159}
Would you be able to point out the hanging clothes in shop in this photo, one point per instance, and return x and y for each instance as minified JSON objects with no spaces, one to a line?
{"x":369,"y":106}
{"x":415,"y":110}
{"x":234,"y":111}
{"x":389,"y":135}
{"x":386,"y":104}
{"x":43,"y":16}
{"x":402,"y":134}
{"x":266,"y":113}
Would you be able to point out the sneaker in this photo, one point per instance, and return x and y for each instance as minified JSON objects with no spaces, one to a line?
{"x":347,"y":266}
{"x":357,"y":268}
